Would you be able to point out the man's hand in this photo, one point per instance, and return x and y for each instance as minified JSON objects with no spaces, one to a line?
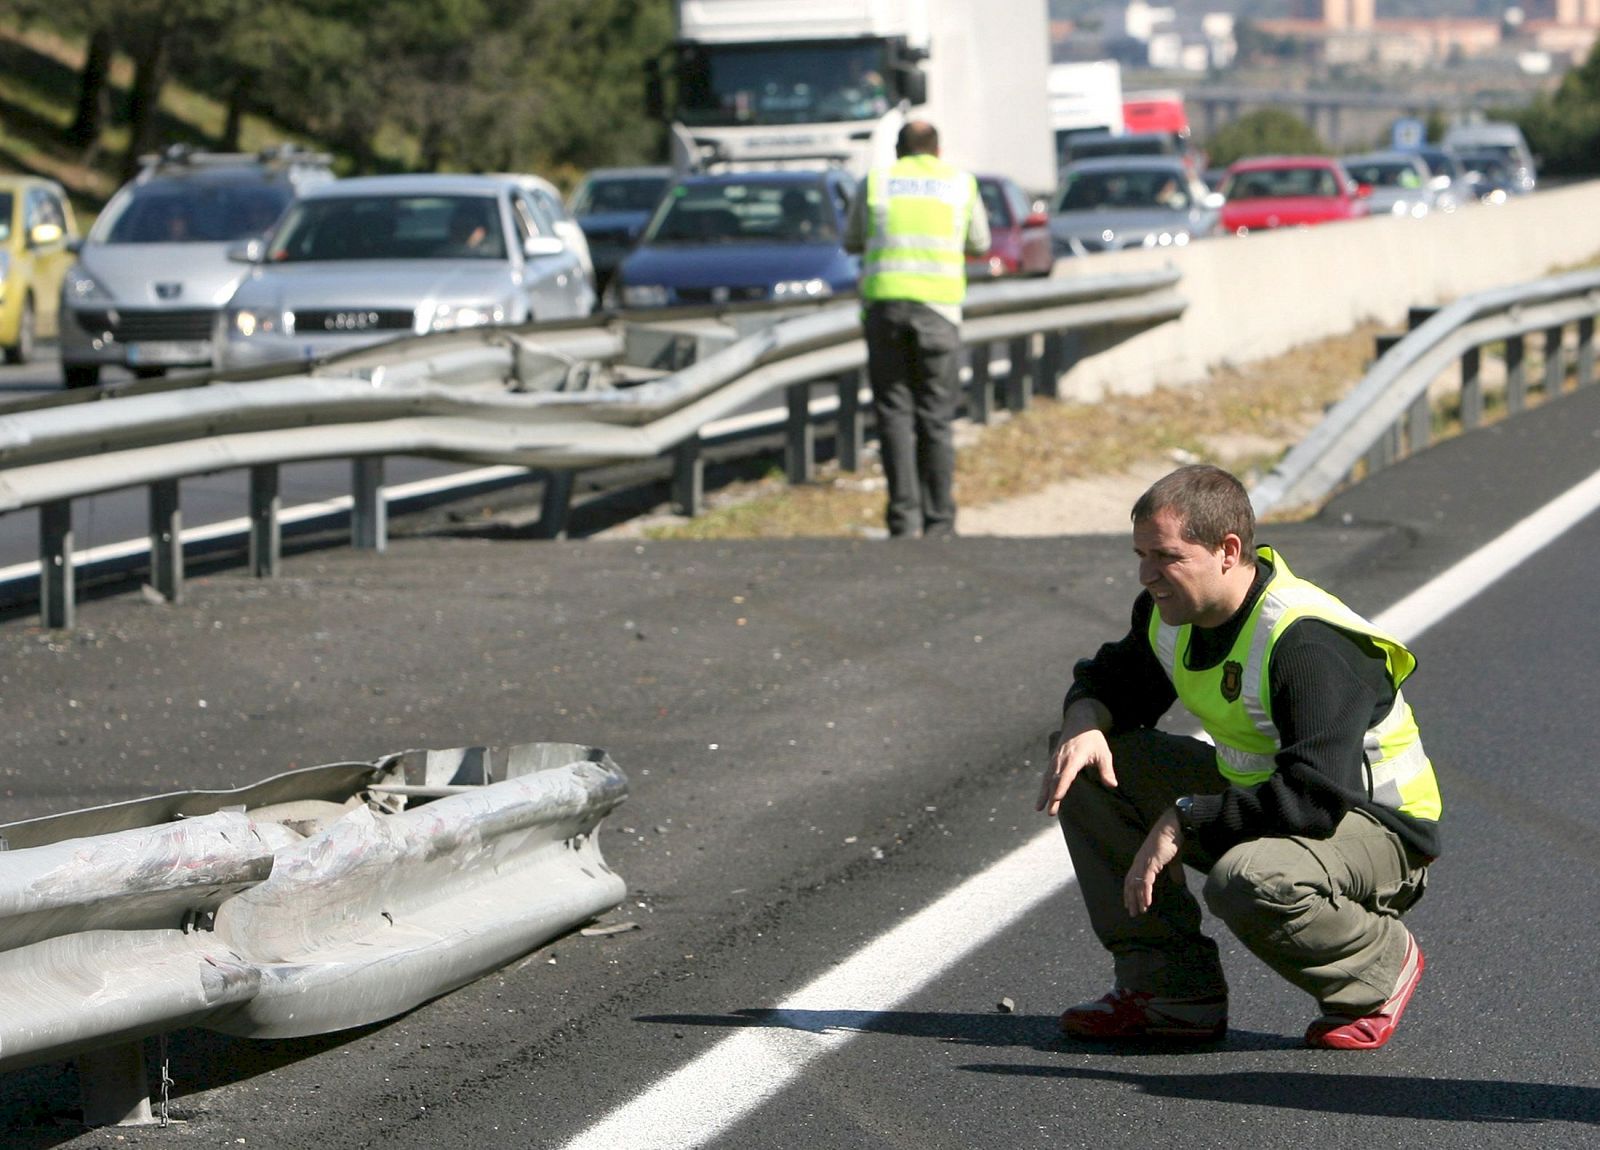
{"x":1086,"y":749}
{"x":1158,"y":853}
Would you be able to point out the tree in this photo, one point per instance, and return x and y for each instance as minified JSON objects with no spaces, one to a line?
{"x":1265,"y":131}
{"x":1563,"y":127}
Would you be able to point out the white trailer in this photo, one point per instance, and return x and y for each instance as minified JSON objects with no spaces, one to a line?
{"x":1084,"y":97}
{"x":765,"y":83}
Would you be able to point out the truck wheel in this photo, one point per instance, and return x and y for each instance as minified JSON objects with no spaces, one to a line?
{"x":22,"y":350}
{"x":80,"y":375}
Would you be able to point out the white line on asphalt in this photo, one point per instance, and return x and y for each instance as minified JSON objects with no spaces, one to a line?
{"x":706,"y":1097}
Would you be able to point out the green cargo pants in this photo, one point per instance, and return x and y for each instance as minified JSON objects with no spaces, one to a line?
{"x":1323,"y":913}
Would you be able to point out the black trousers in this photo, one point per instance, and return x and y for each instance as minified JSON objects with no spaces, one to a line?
{"x":913,"y":361}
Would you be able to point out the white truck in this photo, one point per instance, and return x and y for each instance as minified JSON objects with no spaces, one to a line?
{"x":1084,"y":97}
{"x":785,"y":83}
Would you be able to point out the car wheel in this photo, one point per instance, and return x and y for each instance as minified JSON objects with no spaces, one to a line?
{"x":22,"y":350}
{"x":80,"y":375}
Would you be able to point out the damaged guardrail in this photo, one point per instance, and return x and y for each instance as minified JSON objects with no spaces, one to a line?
{"x":314,"y":901}
{"x":1390,"y":413}
{"x":548,"y":400}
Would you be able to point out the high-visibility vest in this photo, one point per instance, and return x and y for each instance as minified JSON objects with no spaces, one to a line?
{"x":1233,"y":700}
{"x":917,"y":217}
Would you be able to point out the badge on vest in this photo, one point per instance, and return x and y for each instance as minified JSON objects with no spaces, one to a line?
{"x":1232,"y":681}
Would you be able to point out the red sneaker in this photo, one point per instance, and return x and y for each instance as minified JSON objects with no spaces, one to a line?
{"x":1370,"y":1031}
{"x":1140,"y":1014}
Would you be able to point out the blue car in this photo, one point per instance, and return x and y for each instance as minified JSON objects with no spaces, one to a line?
{"x":612,"y":206}
{"x":742,"y":237}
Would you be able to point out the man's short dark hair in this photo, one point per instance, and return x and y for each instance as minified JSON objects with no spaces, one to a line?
{"x":917,"y":138}
{"x":1210,"y":502}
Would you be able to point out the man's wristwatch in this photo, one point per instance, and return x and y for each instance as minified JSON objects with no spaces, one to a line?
{"x":1182,"y":805}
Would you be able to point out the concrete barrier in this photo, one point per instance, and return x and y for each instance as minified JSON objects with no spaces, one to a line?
{"x":1257,"y":296}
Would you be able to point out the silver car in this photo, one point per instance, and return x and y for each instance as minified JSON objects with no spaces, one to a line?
{"x":1401,"y":183}
{"x":1130,"y":202}
{"x":154,"y":270}
{"x":373,"y":258}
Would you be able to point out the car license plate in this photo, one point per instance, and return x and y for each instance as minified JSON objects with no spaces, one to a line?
{"x":161,"y":352}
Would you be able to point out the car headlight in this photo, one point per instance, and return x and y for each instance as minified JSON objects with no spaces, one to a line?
{"x":448,"y":317}
{"x":246,"y":322}
{"x":801,"y":289}
{"x":644,"y":295}
{"x":1166,"y":239}
{"x":81,"y":287}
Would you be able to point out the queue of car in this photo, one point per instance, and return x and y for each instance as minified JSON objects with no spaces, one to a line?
{"x":238,"y":261}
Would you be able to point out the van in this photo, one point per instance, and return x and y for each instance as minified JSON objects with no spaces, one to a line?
{"x":1501,"y":138}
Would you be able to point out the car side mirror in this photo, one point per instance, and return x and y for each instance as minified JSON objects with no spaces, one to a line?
{"x":248,"y":252}
{"x":1037,"y":219}
{"x":542,"y":246}
{"x":43,"y":235}
{"x":1363,"y":191}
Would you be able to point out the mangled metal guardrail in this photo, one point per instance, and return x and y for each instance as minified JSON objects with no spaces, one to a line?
{"x":528,"y":397}
{"x":1389,"y":413}
{"x":314,"y":901}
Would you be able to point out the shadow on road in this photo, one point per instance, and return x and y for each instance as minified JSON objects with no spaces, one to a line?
{"x":1379,"y":1096}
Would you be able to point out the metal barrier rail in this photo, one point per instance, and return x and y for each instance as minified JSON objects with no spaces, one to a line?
{"x":532,"y":397}
{"x":1389,"y":413}
{"x":314,"y":901}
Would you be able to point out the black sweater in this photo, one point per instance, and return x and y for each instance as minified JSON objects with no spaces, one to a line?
{"x":1328,"y":687}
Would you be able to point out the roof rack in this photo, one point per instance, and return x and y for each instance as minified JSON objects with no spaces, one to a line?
{"x":187,"y":156}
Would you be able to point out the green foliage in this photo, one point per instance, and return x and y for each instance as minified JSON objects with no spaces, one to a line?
{"x":1266,"y":131}
{"x":1563,"y":127}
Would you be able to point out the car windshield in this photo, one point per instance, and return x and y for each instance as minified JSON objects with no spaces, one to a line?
{"x":196,"y":213}
{"x":8,"y":206}
{"x":1489,"y":163}
{"x":743,"y":213}
{"x":1385,"y":173}
{"x":1276,"y":183}
{"x":619,"y":194}
{"x":424,"y":227}
{"x":783,"y":83}
{"x":994,"y":204}
{"x":1132,"y":189}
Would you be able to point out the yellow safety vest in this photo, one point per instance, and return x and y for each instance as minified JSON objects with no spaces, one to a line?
{"x":1233,"y":700}
{"x":917,"y":217}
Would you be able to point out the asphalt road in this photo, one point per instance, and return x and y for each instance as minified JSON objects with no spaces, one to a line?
{"x":824,"y":738}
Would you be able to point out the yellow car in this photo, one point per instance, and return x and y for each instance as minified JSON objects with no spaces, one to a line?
{"x":36,"y":229}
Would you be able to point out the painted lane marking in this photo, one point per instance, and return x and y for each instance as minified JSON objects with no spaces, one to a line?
{"x":704,"y":1098}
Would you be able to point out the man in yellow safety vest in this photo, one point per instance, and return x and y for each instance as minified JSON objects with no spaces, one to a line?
{"x":914,"y":224}
{"x":1312,"y":808}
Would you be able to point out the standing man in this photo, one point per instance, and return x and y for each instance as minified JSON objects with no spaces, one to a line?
{"x":1314,"y":815}
{"x":915,"y":223}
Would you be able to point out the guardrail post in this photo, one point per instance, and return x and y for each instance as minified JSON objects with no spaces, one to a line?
{"x":555,"y":505}
{"x":1471,"y":388}
{"x":166,"y":540}
{"x":1383,"y":450}
{"x":114,"y":1086}
{"x":978,"y":401}
{"x":369,"y":516}
{"x":1555,"y":366}
{"x":57,"y":595}
{"x":799,"y":439}
{"x":1416,"y":316}
{"x":688,"y":477}
{"x":1420,"y":423}
{"x":1052,"y":362}
{"x":1019,"y":380}
{"x":266,"y":533}
{"x":1586,"y":351}
{"x":851,"y":436}
{"x":1516,"y":374}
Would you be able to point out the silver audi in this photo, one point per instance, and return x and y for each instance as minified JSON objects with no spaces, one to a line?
{"x":363,"y":260}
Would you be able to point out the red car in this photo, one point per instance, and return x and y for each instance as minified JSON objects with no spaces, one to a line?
{"x":1289,"y":191}
{"x":1019,"y":242}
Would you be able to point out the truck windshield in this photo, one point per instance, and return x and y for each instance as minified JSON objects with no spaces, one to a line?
{"x":820,"y":82}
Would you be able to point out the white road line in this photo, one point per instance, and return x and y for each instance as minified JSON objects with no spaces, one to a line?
{"x":706,"y":1097}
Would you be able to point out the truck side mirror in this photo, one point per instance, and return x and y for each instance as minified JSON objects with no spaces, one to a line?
{"x":913,"y":84}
